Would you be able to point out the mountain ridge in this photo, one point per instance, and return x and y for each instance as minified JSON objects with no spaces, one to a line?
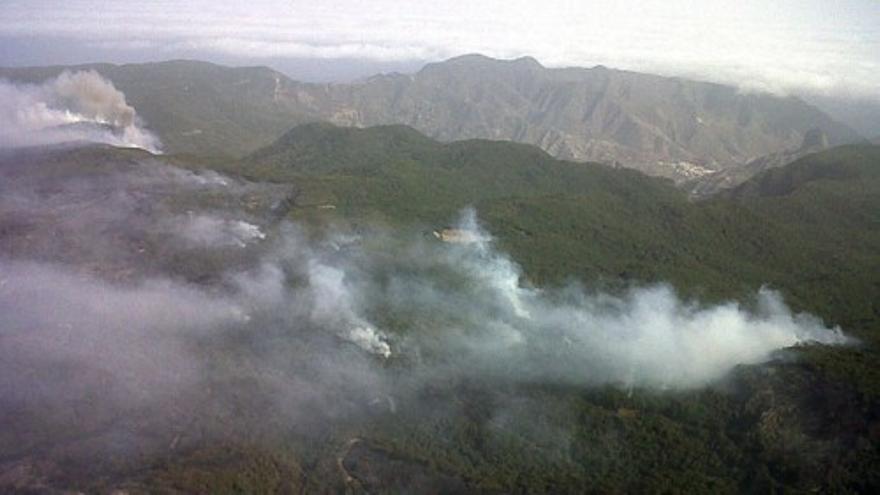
{"x":670,"y":127}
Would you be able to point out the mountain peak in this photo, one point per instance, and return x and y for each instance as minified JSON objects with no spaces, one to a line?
{"x":477,"y":60}
{"x":530,"y":62}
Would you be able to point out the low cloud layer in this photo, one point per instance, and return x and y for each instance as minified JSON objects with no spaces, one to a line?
{"x":789,"y":46}
{"x":75,"y":106}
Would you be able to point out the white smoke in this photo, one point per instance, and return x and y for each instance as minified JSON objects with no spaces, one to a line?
{"x":132,"y":334}
{"x":124,"y":318}
{"x":368,"y":339}
{"x":212,"y":231}
{"x":334,"y":305}
{"x":281,"y":309}
{"x":645,"y":337}
{"x":75,"y":106}
{"x":189,"y":339}
{"x":447,"y":307}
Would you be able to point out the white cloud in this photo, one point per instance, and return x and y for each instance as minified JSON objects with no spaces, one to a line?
{"x":801,"y":46}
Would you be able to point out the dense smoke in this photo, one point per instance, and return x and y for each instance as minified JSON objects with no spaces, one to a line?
{"x":464,"y":302}
{"x":455,"y":307}
{"x":144,"y":299}
{"x":75,"y":106}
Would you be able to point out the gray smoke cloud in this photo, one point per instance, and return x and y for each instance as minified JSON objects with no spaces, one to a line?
{"x":155,"y":308}
{"x":647,"y":336}
{"x":444,"y":308}
{"x":75,"y":106}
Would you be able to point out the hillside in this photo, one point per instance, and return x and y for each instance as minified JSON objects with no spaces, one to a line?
{"x":401,"y":173}
{"x":611,"y":228}
{"x":834,"y":194}
{"x":564,"y":219}
{"x":229,"y":374}
{"x":814,"y":141}
{"x":662,"y":126}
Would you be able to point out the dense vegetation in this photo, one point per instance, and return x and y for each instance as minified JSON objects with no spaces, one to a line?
{"x":811,"y":230}
{"x":808,"y":421}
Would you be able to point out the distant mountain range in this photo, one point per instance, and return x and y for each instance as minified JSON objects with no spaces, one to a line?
{"x":662,"y":126}
{"x":669,"y":127}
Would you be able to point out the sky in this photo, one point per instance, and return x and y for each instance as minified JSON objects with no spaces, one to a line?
{"x":785,"y":46}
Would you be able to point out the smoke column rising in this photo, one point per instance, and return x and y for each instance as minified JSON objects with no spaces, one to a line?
{"x":75,"y":106}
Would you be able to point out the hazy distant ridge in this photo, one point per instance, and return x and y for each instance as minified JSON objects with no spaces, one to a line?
{"x":663,"y":126}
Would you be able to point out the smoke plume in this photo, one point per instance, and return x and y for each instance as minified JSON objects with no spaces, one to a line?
{"x":133,"y":307}
{"x":75,"y":106}
{"x":464,"y":302}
